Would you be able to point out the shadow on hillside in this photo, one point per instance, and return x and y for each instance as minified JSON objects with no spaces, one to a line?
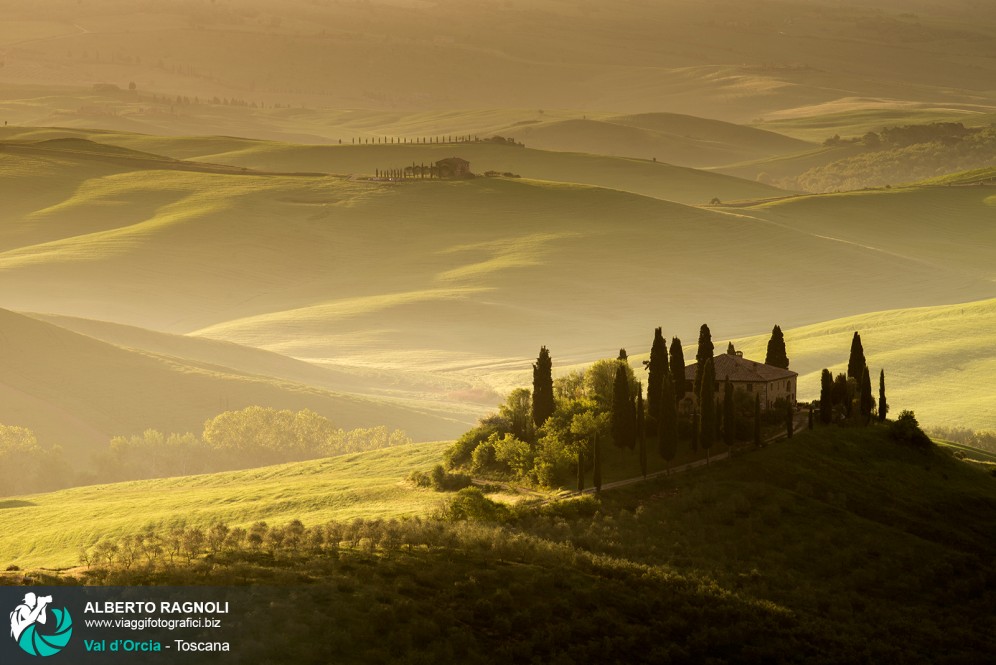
{"x":16,"y":503}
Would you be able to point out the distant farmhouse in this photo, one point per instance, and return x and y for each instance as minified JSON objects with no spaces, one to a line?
{"x":453,"y":168}
{"x":772,"y":383}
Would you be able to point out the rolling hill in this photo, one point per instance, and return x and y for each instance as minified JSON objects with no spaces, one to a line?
{"x":791,"y":550}
{"x":640,"y":176}
{"x":368,"y":485}
{"x":440,"y":292}
{"x":668,"y":137}
{"x":78,"y":392}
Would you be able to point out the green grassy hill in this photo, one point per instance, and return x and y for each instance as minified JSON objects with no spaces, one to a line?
{"x":78,"y":392}
{"x":461,"y":281}
{"x":369,"y":485}
{"x":839,"y":546}
{"x":640,"y":176}
{"x":925,"y":225}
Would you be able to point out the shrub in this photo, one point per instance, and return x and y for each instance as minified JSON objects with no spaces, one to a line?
{"x":513,"y":453}
{"x":462,"y":451}
{"x":906,"y":430}
{"x":483,"y":458}
{"x":442,"y":481}
{"x":471,"y":504}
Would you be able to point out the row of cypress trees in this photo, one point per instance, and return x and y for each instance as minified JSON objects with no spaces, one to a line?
{"x":839,"y":391}
{"x":634,"y":422}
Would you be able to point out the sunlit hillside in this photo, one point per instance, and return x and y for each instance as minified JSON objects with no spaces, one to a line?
{"x":937,"y":360}
{"x":433,"y":291}
{"x":78,"y":392}
{"x":368,"y":485}
{"x":640,"y":176}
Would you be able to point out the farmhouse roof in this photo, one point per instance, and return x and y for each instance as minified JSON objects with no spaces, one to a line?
{"x":453,"y":160}
{"x":737,"y":368}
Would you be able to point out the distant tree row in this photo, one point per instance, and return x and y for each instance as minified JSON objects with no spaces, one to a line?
{"x":250,"y":437}
{"x":901,"y":155}
{"x":25,"y":466}
{"x":435,"y":140}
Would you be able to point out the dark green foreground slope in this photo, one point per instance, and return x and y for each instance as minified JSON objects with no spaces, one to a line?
{"x":838,"y":546}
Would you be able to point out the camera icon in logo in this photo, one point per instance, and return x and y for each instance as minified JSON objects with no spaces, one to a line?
{"x":34,"y":633}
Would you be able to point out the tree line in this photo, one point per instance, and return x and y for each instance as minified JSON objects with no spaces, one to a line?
{"x":245,"y":438}
{"x":900,"y":155}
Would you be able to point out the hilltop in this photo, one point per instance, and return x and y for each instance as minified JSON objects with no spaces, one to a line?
{"x":668,"y":137}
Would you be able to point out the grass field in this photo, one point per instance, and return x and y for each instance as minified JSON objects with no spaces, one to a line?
{"x":368,"y":485}
{"x":640,"y":176}
{"x":462,"y":281}
{"x":970,"y":452}
{"x":792,"y":549}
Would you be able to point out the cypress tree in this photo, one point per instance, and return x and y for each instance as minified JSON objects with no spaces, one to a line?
{"x":667,"y":429}
{"x":857,"y":359}
{"x":757,"y":420}
{"x":622,"y":355}
{"x":842,"y":393}
{"x":641,"y":438}
{"x":623,"y":429}
{"x":707,"y":405}
{"x":657,"y":368}
{"x":776,"y":356}
{"x":810,"y":416}
{"x":730,"y":351}
{"x":729,"y":415}
{"x":865,"y":399}
{"x":826,"y":397}
{"x":543,"y":404}
{"x":677,"y":369}
{"x":883,"y":406}
{"x":596,"y":479}
{"x":705,"y":352}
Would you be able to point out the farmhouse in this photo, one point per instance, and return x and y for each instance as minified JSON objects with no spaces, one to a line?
{"x":453,"y":167}
{"x":772,"y":383}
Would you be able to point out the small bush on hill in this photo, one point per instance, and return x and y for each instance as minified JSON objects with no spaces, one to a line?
{"x":440,"y":479}
{"x":462,"y":451}
{"x":470,"y":504}
{"x":906,"y":430}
